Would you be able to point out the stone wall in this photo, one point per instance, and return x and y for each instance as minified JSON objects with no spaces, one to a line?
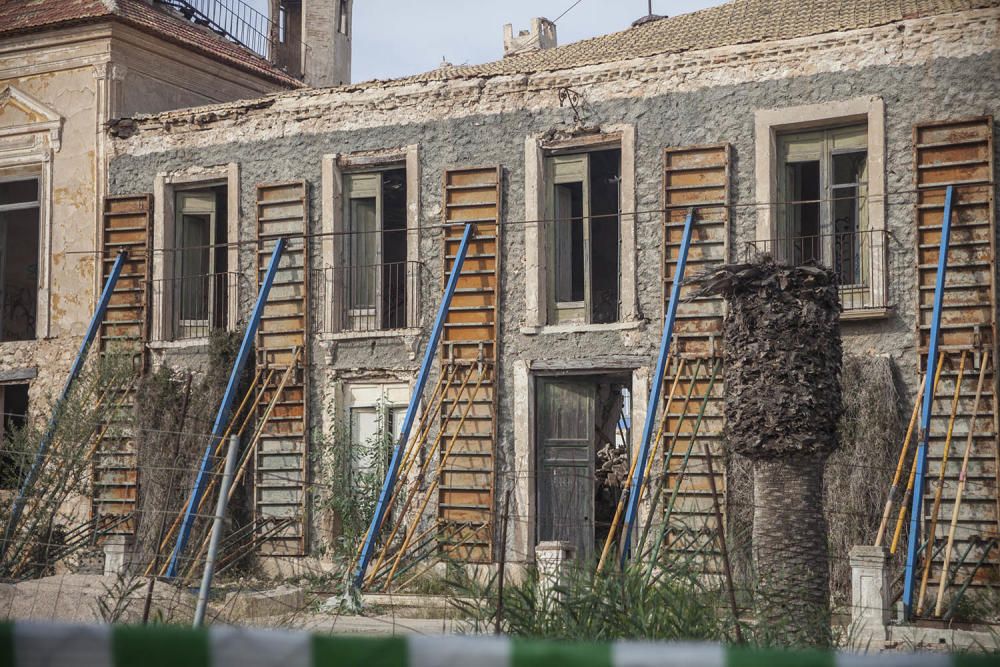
{"x":922,"y":70}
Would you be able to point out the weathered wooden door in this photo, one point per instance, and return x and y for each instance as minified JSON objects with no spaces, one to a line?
{"x":565,"y":456}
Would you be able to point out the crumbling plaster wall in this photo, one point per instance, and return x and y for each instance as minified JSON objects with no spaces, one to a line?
{"x":949,"y":72}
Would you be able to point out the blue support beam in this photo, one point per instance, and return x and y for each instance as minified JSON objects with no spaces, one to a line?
{"x":222,"y":416}
{"x":913,"y":539}
{"x":81,"y":356}
{"x":655,"y":389}
{"x":411,"y":412}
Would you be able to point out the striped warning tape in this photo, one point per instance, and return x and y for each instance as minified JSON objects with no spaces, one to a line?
{"x":54,"y":645}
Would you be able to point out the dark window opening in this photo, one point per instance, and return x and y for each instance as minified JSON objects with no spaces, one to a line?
{"x":201,"y":280}
{"x":13,"y":461}
{"x":394,"y":249}
{"x":803,"y":211}
{"x":569,"y":242}
{"x":605,"y":177}
{"x":849,"y":175}
{"x":20,"y":218}
{"x":376,"y":271}
{"x":584,"y":259}
{"x":343,"y":16}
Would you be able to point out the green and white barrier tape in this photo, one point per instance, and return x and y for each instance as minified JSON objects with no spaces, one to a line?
{"x":53,"y":645}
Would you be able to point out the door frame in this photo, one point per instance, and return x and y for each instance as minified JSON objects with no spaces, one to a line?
{"x":520,"y":474}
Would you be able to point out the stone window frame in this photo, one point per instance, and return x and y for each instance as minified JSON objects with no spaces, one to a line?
{"x":165,"y":186}
{"x":28,"y":150}
{"x":523,"y":528}
{"x":770,"y":123}
{"x":334,"y":166}
{"x":536,"y":148}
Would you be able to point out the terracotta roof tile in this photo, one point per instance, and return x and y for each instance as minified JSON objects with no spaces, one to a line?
{"x":736,"y":22}
{"x":19,"y":16}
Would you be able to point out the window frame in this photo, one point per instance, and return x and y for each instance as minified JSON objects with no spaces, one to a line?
{"x":771,"y":124}
{"x":39,"y":205}
{"x":334,"y":226}
{"x":538,"y":147}
{"x":165,"y":187}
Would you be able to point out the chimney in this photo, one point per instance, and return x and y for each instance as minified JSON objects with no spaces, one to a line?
{"x":312,"y":39}
{"x":541,"y":36}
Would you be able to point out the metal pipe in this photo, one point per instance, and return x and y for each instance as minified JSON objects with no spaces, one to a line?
{"x":656,"y":387}
{"x":81,"y":356}
{"x":411,"y":411}
{"x":925,"y":414}
{"x":222,"y":417}
{"x":213,"y":545}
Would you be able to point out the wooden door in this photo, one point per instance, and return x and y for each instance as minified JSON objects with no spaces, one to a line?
{"x":565,"y":472}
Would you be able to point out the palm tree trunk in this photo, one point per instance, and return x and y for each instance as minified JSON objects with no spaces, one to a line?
{"x":790,"y":551}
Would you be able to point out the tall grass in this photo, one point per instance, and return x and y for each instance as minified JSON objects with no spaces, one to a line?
{"x":673,"y":604}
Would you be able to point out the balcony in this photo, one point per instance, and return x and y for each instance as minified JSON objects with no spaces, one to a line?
{"x":370,"y":298}
{"x":858,"y":259}
{"x":234,"y":20}
{"x":194,"y":306}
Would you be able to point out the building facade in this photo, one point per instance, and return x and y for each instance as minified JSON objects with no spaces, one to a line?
{"x":806,"y":131}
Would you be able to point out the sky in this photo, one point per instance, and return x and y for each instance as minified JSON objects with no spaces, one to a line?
{"x":394,"y":38}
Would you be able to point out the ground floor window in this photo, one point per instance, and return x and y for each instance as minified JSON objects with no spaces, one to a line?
{"x":20,"y":221}
{"x":14,"y":408}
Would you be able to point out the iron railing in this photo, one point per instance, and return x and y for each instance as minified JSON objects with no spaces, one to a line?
{"x":194,"y":306}
{"x":372,"y":297}
{"x":232,"y":19}
{"x":858,"y":259}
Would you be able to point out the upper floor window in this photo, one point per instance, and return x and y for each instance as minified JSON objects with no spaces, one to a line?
{"x":374,"y":274}
{"x":13,"y":417}
{"x":20,"y":222}
{"x":200,"y":288}
{"x":344,"y":17}
{"x":583,"y":205}
{"x":823,"y":190}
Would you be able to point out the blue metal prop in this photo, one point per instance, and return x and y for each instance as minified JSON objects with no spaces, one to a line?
{"x":411,"y":413}
{"x":74,"y":372}
{"x":222,"y":417}
{"x":925,"y":413}
{"x":656,"y":388}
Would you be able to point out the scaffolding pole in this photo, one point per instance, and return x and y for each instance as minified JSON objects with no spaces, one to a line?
{"x":222,"y":417}
{"x":913,"y":539}
{"x":411,"y":412}
{"x":655,"y":389}
{"x":74,"y":372}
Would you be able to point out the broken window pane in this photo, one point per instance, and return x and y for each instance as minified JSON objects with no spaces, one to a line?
{"x":19,"y":250}
{"x":605,"y":175}
{"x":803,"y":188}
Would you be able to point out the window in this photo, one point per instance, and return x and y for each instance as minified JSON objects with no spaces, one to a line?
{"x":375,"y":270}
{"x":375,"y":417}
{"x":20,"y":221}
{"x":201,"y":283}
{"x":823,"y":187}
{"x":344,"y":17}
{"x":14,"y":411}
{"x":584,"y":236}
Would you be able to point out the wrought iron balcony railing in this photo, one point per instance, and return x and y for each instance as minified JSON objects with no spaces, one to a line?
{"x":858,"y":259}
{"x":372,"y":297}
{"x":193,"y":306}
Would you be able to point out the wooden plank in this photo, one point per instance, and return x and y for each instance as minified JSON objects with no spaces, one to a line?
{"x":960,"y":153}
{"x":281,"y":463}
{"x":125,"y":226}
{"x":471,"y":334}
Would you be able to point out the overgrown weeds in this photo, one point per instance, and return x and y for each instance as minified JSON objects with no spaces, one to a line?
{"x":672,"y":604}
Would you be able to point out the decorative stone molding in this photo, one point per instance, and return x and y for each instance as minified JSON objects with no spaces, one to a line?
{"x":46,"y":120}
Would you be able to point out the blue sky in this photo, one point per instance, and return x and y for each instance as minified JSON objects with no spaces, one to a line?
{"x":395,"y":38}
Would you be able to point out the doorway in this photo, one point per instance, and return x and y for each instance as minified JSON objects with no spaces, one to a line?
{"x":583,"y":431}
